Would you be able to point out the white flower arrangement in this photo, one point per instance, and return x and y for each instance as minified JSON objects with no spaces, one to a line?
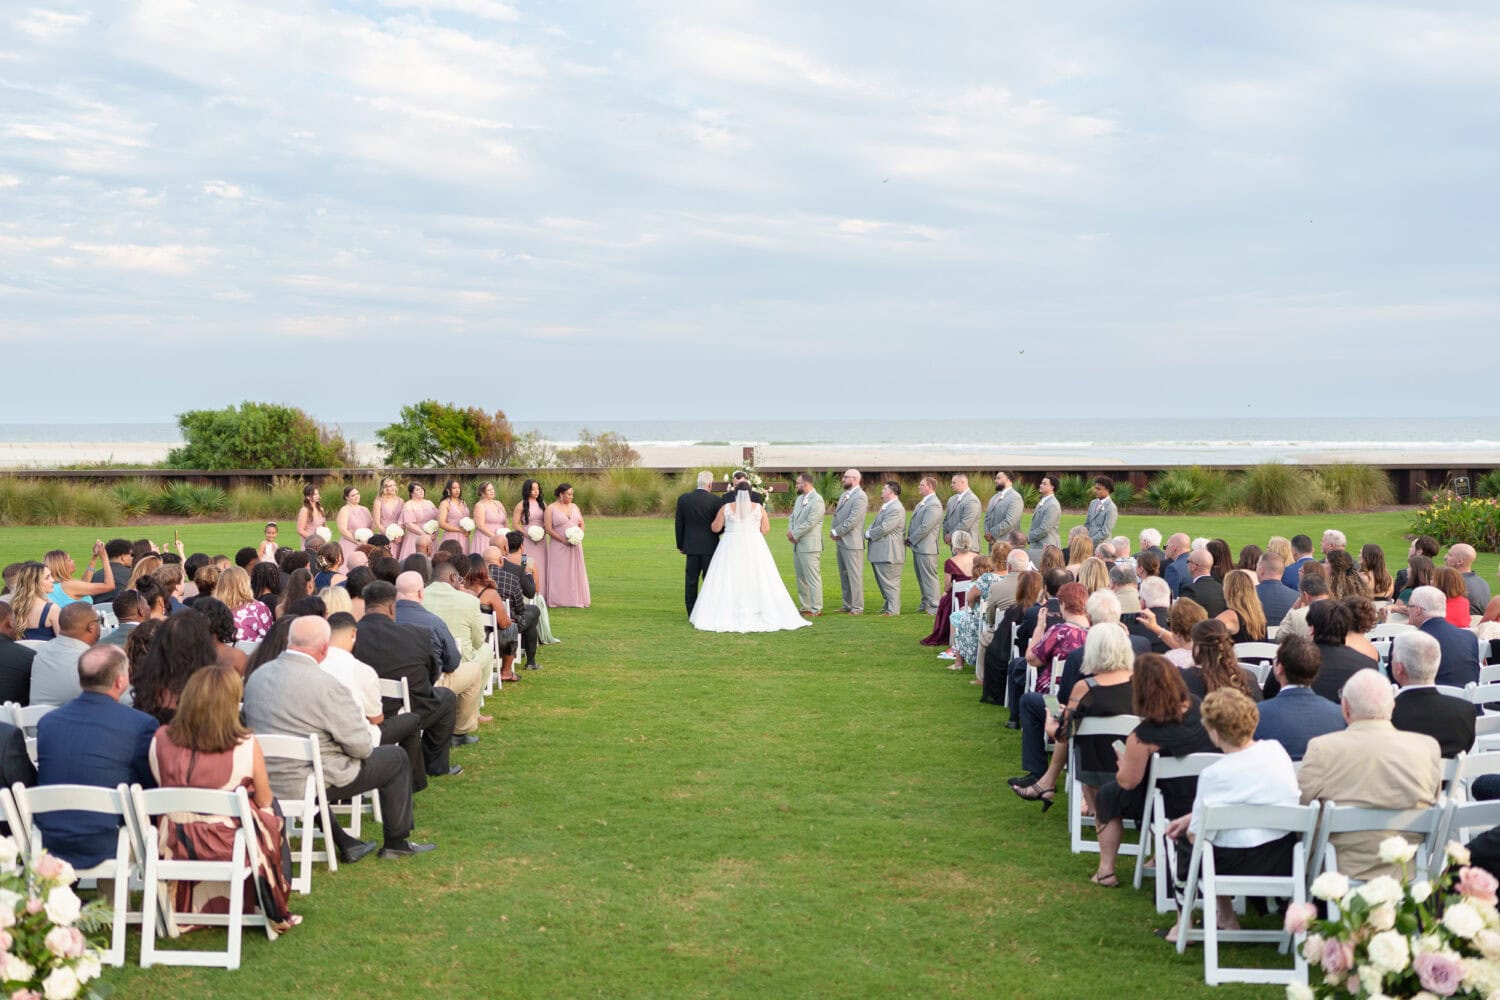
{"x":574,"y":535}
{"x":535,"y":533}
{"x":363,"y":535}
{"x":324,"y":533}
{"x":43,"y":920}
{"x":466,"y":523}
{"x":394,"y":532}
{"x":430,"y":526}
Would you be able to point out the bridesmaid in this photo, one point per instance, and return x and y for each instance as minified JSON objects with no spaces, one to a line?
{"x":415,"y":514}
{"x":352,"y":517}
{"x":450,"y":511}
{"x":567,"y":578}
{"x":310,"y":517}
{"x":489,"y":521}
{"x":387,"y":511}
{"x":528,"y":515}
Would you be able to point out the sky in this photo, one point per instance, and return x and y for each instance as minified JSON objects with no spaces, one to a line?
{"x":690,"y":208}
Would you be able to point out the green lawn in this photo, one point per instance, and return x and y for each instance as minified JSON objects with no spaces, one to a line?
{"x":660,"y":813}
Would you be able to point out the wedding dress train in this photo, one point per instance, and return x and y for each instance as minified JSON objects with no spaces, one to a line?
{"x":742,"y":591}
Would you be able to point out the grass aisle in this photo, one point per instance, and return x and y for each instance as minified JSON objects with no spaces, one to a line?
{"x":667,"y":814}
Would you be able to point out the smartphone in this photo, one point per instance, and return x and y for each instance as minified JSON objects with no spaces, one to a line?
{"x":1119,"y":747}
{"x":1052,"y":706}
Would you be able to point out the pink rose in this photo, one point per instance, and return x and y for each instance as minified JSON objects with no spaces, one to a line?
{"x":25,"y":995}
{"x":1478,"y":884}
{"x":34,"y":905}
{"x":1338,"y":957}
{"x":1298,"y":916}
{"x":49,"y":867}
{"x":1352,"y":986}
{"x":6,"y":941}
{"x":1439,"y":973}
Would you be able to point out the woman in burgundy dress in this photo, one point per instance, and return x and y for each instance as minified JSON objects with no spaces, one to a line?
{"x":958,"y":569}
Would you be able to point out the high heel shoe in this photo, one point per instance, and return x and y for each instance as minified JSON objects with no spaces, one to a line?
{"x":1033,"y":793}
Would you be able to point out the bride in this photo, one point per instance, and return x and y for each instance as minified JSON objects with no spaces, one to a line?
{"x":742,"y":591}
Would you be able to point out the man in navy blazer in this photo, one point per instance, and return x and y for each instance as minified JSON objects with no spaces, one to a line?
{"x":1420,"y":707}
{"x":1297,"y":713}
{"x":92,"y":740}
{"x":1460,"y":647}
{"x":1174,"y":567}
{"x":1276,"y":598}
{"x":1301,"y":554}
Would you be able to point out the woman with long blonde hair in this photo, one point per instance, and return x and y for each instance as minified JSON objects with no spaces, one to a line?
{"x":1249,"y":623}
{"x":36,"y":616}
{"x":67,"y":590}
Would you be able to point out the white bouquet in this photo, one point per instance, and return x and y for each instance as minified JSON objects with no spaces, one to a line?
{"x":394,"y":532}
{"x":430,"y":526}
{"x":574,"y":535}
{"x":324,"y":533}
{"x":535,"y":533}
{"x":363,"y":535}
{"x":466,"y":523}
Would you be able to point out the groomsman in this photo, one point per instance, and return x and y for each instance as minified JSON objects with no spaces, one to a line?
{"x":1003,"y":515}
{"x":963,"y":511}
{"x":1100,"y":520}
{"x":848,"y":531}
{"x":1045,"y":519}
{"x":887,"y":548}
{"x":804,"y":529}
{"x":922,"y":538}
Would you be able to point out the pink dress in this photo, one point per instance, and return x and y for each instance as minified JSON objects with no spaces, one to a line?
{"x":567,"y":580}
{"x":389,"y":510}
{"x":412,"y":519}
{"x":494,"y":522}
{"x":359,"y":517}
{"x":535,"y":552}
{"x":311,"y":540}
{"x":457,"y":511}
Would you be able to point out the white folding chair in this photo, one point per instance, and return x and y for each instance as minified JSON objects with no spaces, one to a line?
{"x":1260,"y":668}
{"x":1153,"y":838}
{"x":1361,"y":819}
{"x":24,"y":717}
{"x":31,"y":745}
{"x":397,"y":688}
{"x":32,"y":644}
{"x":25,"y":804}
{"x":237,"y":871}
{"x":960,"y":590}
{"x":1108,"y":725}
{"x":248,"y":646}
{"x":1483,"y":695}
{"x":1466,"y":820}
{"x":1489,"y":674}
{"x":1299,"y":820}
{"x":1255,"y":651}
{"x":309,"y":813}
{"x":1389,"y":630}
{"x":1468,"y":766}
{"x":1486,"y":734}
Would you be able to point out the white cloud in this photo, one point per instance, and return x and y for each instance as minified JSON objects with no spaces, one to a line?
{"x":488,"y":9}
{"x":223,"y":189}
{"x":49,"y":25}
{"x":165,"y":259}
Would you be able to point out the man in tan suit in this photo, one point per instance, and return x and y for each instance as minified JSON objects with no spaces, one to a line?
{"x":1372,"y":764}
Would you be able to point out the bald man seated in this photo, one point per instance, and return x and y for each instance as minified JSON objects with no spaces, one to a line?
{"x":54,"y":670}
{"x":463,"y":677}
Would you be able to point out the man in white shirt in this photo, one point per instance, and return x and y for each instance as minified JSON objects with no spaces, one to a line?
{"x":403,"y":729}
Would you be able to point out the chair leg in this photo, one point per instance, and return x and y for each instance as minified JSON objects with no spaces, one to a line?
{"x":116,"y":954}
{"x":149,"y":900}
{"x":237,"y":901}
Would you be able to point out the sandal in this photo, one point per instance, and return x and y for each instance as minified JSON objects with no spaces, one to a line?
{"x":1105,"y":881}
{"x":1036,"y":793}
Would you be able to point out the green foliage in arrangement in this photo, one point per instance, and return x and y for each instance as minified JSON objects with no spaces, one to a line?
{"x":257,"y":436}
{"x":431,"y":433}
{"x":1074,"y":492}
{"x":1451,"y":519}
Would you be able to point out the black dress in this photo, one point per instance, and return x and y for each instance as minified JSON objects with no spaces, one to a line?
{"x":1174,"y":739}
{"x":1097,"y":762}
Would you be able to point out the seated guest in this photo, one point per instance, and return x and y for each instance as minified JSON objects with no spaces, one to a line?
{"x":1460,"y":660}
{"x":265,"y":586}
{"x":1214,"y":663}
{"x":997,"y":655}
{"x":460,"y":612}
{"x":1243,"y":615}
{"x":515,"y":578}
{"x":400,"y":729}
{"x":478,"y":584}
{"x":1461,"y":558}
{"x":129,"y":611}
{"x":117,"y":553}
{"x":1426,"y":547}
{"x":1174,"y":562}
{"x":206,"y":746}
{"x":1055,"y":640}
{"x":1331,"y":622}
{"x":15,"y":762}
{"x":1451,"y":583}
{"x":1177,"y":635}
{"x":1169,"y":725}
{"x":1202,"y":586}
{"x":181,"y":647}
{"x":222,"y":630}
{"x":292,"y":695}
{"x":1126,"y":588}
{"x":1276,"y":598}
{"x":1156,"y":602}
{"x":92,"y":740}
{"x":30,"y":596}
{"x":397,"y":651}
{"x":1312,"y":589}
{"x":1343,"y":576}
{"x":1252,"y":773}
{"x":1420,"y":707}
{"x":1371,"y":764}
{"x":1297,"y":713}
{"x":1362,"y":618}
{"x":1150,"y":540}
{"x":15,"y":661}
{"x":244,"y":559}
{"x":1302,"y":548}
{"x":54,"y":671}
{"x":1372,"y":570}
{"x":460,"y":677}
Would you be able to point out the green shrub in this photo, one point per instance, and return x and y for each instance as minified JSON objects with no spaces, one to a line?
{"x":1074,"y":492}
{"x":1488,"y":485}
{"x":97,"y":508}
{"x":1029,"y":493}
{"x":1276,"y":488}
{"x":46,"y":502}
{"x":257,"y":436}
{"x":190,"y":500}
{"x":1356,"y":487}
{"x":135,"y":497}
{"x":829,"y":485}
{"x":12,"y":500}
{"x":1188,"y":491}
{"x":631,"y":491}
{"x":1449,"y":519}
{"x":1124,"y":493}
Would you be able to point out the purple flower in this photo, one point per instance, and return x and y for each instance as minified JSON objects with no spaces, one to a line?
{"x":1439,"y":973}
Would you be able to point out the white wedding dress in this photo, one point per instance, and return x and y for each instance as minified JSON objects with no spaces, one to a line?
{"x":742,"y":591}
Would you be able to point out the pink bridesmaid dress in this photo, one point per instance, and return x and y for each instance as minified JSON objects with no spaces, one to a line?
{"x":313,"y":539}
{"x":567,"y":580}
{"x":358,"y":518}
{"x":390,"y":513}
{"x":535,"y":552}
{"x":457,"y":511}
{"x":494,"y":522}
{"x":412,"y":519}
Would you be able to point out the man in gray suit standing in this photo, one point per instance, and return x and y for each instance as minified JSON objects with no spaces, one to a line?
{"x":963,"y":511}
{"x":1003,"y":515}
{"x":922,"y":538}
{"x":888,"y":548}
{"x":1100,"y":520}
{"x":1045,"y":519}
{"x":849,"y":532}
{"x":804,"y":529}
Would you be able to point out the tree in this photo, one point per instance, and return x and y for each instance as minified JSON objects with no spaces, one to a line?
{"x":432,"y":433}
{"x":600,"y":451}
{"x":257,"y":436}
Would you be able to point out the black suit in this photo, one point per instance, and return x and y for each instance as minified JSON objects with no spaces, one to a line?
{"x":1446,"y":719}
{"x":1208,"y":592}
{"x":15,"y":671}
{"x":1339,"y":664}
{"x":696,"y":538}
{"x":395,"y":651}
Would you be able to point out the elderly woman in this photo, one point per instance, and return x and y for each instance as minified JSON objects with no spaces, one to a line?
{"x":1104,"y":691}
{"x":1252,"y":773}
{"x":966,"y":622}
{"x":958,"y":569}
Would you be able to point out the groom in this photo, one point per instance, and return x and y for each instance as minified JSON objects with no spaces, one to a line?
{"x":695,"y":535}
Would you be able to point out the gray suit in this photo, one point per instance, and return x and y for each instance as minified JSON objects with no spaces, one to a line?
{"x":962,"y":515}
{"x":805,"y":524}
{"x":1100,"y":520}
{"x":1044,"y":522}
{"x":887,"y":553}
{"x":1003,"y":515}
{"x":922,"y":536}
{"x":849,"y":529}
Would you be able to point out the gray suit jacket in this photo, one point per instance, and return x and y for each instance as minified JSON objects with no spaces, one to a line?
{"x":849,"y":519}
{"x":926,"y":519}
{"x":887,"y":544}
{"x":293,"y":695}
{"x":1044,"y":522}
{"x":1003,"y":514}
{"x":962,"y":515}
{"x":806,"y":523}
{"x":1101,"y":519}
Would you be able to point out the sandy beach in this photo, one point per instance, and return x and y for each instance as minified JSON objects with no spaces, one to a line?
{"x":46,"y":455}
